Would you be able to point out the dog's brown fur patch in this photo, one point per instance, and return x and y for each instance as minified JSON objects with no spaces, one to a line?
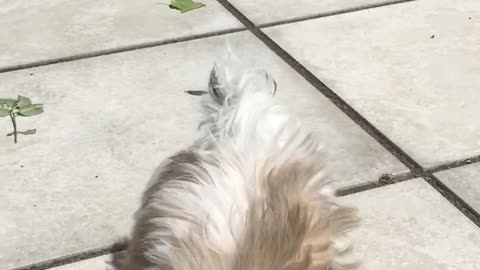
{"x":293,"y":226}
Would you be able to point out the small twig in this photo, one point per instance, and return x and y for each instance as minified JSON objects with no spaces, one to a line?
{"x":196,"y":92}
{"x":14,"y":122}
{"x":26,"y":132}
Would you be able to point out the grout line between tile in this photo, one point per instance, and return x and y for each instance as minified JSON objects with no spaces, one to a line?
{"x":128,"y":48}
{"x":453,"y":198}
{"x":384,"y":180}
{"x":389,"y":145}
{"x":333,"y":13}
{"x":76,"y":257}
{"x":361,"y":188}
{"x":454,"y":164}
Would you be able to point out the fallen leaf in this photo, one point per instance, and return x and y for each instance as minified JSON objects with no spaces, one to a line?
{"x":185,"y":5}
{"x":7,"y":103}
{"x":30,"y":110}
{"x":4,"y":112}
{"x":26,"y":132}
{"x":23,"y":102}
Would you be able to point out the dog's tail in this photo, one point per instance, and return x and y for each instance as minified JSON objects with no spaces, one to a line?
{"x":230,"y":83}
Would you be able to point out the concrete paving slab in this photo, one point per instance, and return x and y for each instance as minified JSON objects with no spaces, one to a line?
{"x":40,"y":30}
{"x":411,"y":69}
{"x":285,"y":9}
{"x":465,"y":182}
{"x":410,"y":226}
{"x":109,"y":121}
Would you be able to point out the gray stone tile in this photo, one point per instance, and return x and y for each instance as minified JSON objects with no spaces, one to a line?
{"x":286,"y":9}
{"x":40,"y":30}
{"x":465,"y":182}
{"x":411,"y":69}
{"x":410,"y":226}
{"x":109,"y":121}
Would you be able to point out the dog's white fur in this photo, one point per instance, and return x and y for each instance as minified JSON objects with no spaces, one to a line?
{"x":248,"y":194}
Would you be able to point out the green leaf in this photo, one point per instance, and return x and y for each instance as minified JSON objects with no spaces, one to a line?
{"x":30,"y":110}
{"x":7,"y":103}
{"x":23,"y":102}
{"x":4,"y":112}
{"x":26,"y":132}
{"x":185,"y":5}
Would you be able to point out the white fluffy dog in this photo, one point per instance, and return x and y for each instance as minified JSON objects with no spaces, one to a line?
{"x":249,"y":194}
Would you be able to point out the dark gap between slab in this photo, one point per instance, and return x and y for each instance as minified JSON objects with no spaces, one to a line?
{"x":415,"y":168}
{"x":76,"y":257}
{"x":454,"y":164}
{"x":384,"y":180}
{"x":453,"y":198}
{"x":333,"y":13}
{"x":359,"y":188}
{"x":128,"y":48}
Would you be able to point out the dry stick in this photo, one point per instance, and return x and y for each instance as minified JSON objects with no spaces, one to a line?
{"x":196,"y":92}
{"x":14,"y":122}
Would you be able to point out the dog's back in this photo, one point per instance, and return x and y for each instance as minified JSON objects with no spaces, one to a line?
{"x":249,"y":194}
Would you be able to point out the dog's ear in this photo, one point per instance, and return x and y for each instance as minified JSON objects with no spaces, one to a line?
{"x":217,"y":86}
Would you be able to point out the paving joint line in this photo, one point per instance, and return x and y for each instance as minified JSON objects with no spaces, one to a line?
{"x":454,"y":164}
{"x":76,"y":257}
{"x":382,"y":139}
{"x":453,"y":198}
{"x":384,"y":180}
{"x":333,"y":13}
{"x":388,"y":179}
{"x":121,"y":49}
